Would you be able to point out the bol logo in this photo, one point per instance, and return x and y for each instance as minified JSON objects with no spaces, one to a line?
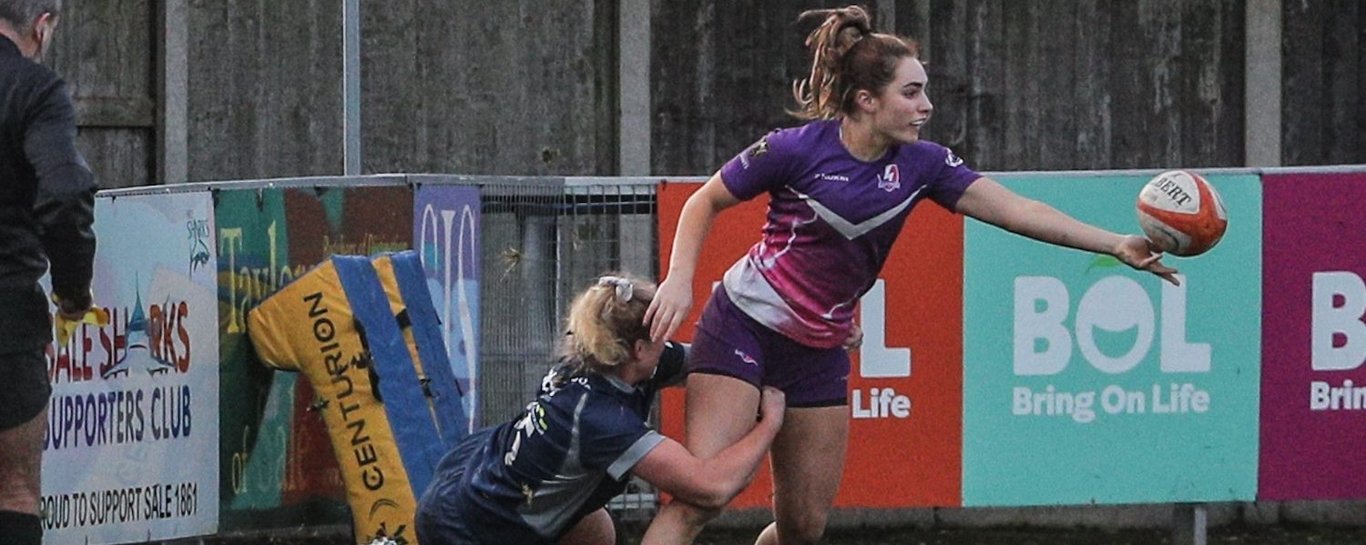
{"x":1338,"y":334}
{"x":1114,"y":305}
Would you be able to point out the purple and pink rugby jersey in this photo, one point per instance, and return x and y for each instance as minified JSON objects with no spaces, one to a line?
{"x":832,"y":220}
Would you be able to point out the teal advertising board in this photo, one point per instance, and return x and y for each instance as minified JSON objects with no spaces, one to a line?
{"x":1088,"y":382}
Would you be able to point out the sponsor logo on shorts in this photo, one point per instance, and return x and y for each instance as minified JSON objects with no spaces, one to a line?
{"x":745,"y":357}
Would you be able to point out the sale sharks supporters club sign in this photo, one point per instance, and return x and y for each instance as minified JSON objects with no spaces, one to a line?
{"x":135,"y":399}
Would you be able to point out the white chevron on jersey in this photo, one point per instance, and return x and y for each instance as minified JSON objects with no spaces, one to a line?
{"x":849,"y":229}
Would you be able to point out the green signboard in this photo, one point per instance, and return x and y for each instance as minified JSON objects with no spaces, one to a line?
{"x":1086,"y":381}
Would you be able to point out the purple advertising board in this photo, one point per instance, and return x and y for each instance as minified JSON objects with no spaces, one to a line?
{"x":1314,"y":340}
{"x":446,"y":235}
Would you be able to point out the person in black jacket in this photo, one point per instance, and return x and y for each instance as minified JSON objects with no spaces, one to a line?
{"x":47,"y":199}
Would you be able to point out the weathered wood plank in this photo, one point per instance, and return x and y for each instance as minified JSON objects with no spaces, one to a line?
{"x":264,"y":89}
{"x":119,"y":157}
{"x":1091,"y":114}
{"x":1054,"y":136}
{"x":945,"y":53}
{"x":987,"y":86}
{"x":103,"y":51}
{"x":1345,"y":38}
{"x":115,"y":111}
{"x":1303,"y":111}
{"x":490,"y":88}
{"x":1230,"y":93}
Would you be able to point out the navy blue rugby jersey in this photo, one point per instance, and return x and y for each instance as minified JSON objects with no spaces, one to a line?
{"x":567,"y":455}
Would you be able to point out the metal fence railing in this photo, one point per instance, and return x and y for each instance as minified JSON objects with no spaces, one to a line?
{"x":543,"y":240}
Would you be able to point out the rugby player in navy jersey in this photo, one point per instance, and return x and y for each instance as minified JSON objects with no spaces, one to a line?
{"x":546,"y":476}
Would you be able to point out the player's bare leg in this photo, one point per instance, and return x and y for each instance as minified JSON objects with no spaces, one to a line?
{"x":21,"y":451}
{"x":716,"y":412}
{"x":807,"y":459}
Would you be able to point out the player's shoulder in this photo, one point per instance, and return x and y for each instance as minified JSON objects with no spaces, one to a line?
{"x":793,"y":139}
{"x":927,"y":152}
{"x":806,"y":135}
{"x":609,"y":404}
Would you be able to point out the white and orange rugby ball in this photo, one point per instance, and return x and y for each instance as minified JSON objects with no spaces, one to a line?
{"x":1181,"y":213}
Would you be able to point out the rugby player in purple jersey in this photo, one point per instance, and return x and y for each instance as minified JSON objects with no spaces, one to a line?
{"x":840,"y":189}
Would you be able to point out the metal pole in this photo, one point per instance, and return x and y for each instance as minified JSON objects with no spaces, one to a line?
{"x":1262,"y":88}
{"x":1189,"y":524}
{"x":351,"y":87}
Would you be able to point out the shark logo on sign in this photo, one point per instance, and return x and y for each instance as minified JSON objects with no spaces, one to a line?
{"x":877,"y":360}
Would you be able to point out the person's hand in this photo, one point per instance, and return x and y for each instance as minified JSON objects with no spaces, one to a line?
{"x":1140,"y":253}
{"x":772,"y":402}
{"x":855,"y":338}
{"x":673,"y":300}
{"x":71,"y":314}
{"x":72,"y":308}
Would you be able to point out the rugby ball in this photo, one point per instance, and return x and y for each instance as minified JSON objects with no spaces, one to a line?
{"x":1181,"y":213}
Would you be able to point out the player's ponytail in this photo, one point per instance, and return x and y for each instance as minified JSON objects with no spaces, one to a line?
{"x":606,"y":320}
{"x":846,"y":55}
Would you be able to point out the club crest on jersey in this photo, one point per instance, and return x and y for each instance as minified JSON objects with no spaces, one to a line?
{"x":890,"y":179}
{"x":754,"y":151}
{"x":951,"y":159}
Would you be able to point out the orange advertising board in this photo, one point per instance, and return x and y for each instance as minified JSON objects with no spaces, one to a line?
{"x":905,"y":388}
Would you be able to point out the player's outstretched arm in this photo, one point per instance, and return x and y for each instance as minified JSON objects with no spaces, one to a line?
{"x":991,"y":202}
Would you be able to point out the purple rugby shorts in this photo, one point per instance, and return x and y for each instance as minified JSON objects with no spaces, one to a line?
{"x":730,"y":343}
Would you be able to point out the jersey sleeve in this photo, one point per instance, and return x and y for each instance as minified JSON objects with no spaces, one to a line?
{"x":634,"y":454}
{"x":760,"y":168}
{"x":614,"y":439}
{"x":950,"y":178}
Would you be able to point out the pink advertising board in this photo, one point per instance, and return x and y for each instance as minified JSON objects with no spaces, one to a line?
{"x":1313,"y":403}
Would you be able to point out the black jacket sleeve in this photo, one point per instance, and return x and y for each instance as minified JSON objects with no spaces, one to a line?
{"x":64,"y":203}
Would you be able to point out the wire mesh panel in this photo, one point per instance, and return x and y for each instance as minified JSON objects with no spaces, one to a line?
{"x":543,"y":240}
{"x":605,"y":226}
{"x":609,"y":225}
{"x":518,"y":295}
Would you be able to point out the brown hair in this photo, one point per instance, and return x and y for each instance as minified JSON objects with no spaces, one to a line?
{"x":846,"y":56}
{"x":606,"y":320}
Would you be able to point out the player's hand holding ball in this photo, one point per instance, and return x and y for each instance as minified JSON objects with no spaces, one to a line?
{"x":1181,"y":213}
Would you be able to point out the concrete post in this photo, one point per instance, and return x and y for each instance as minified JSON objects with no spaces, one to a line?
{"x":633,"y":93}
{"x":172,"y":79}
{"x":351,"y":152}
{"x":1262,"y":143}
